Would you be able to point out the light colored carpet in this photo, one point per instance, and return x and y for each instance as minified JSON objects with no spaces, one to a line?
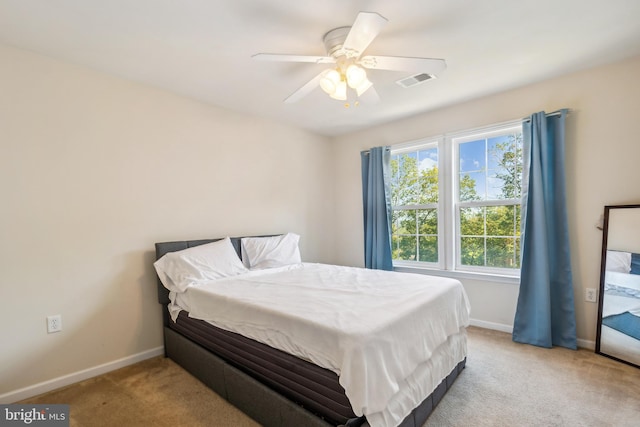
{"x":504,"y":384}
{"x":510,"y":384}
{"x":156,"y":393}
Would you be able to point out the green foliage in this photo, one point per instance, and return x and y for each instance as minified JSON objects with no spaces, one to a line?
{"x":508,"y":155}
{"x":410,"y":186}
{"x":490,"y":236}
{"x":468,"y":190}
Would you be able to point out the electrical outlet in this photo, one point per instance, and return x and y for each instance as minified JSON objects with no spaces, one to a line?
{"x":54,"y":323}
{"x":590,"y":295}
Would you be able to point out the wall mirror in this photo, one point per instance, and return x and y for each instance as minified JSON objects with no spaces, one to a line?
{"x":619,"y":303}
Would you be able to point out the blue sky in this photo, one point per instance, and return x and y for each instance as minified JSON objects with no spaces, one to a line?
{"x":476,"y":161}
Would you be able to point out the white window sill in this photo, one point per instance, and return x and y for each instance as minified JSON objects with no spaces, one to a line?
{"x":457,"y":274}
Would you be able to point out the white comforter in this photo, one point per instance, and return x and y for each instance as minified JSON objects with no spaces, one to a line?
{"x":374,"y":328}
{"x":615,"y":304}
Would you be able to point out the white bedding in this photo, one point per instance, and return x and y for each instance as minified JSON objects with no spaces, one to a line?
{"x":631,"y":281}
{"x":615,"y":304}
{"x":377,"y":330}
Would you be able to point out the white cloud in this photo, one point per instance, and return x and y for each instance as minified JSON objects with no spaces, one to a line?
{"x":428,"y":164}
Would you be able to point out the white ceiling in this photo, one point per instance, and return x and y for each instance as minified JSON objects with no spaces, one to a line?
{"x":202,"y":48}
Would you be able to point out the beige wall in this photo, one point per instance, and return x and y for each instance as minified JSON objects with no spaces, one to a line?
{"x":602,"y":153}
{"x":93,"y":171}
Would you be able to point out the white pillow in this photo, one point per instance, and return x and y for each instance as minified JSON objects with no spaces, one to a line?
{"x":203,"y":263}
{"x":618,"y":261}
{"x":269,"y":252}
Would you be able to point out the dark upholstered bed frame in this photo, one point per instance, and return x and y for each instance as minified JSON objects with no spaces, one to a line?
{"x":269,"y":399}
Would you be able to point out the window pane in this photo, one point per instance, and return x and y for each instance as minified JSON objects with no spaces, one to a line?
{"x":393,"y":175}
{"x":495,"y":147}
{"x":415,"y":235}
{"x":505,"y":165}
{"x":501,"y":252}
{"x":404,"y":248}
{"x":472,"y":251}
{"x":414,"y":177}
{"x":500,"y":221}
{"x":428,"y":175}
{"x":404,"y":188}
{"x":495,"y":186}
{"x":427,"y":221}
{"x":395,"y":222}
{"x":472,"y":156}
{"x":472,"y":222}
{"x":472,"y":170}
{"x":428,"y":248}
{"x":472,"y":186}
{"x":428,"y":158}
{"x":415,"y":182}
{"x":501,"y":236}
{"x":490,"y":169}
{"x":407,"y":222}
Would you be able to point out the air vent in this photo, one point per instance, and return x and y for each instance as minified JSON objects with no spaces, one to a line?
{"x":415,"y":79}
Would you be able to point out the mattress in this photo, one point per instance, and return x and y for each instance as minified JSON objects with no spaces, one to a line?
{"x":310,"y":387}
{"x":314,"y":388}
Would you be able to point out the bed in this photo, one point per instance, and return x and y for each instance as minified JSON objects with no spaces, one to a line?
{"x":620,"y":330}
{"x":274,"y":366}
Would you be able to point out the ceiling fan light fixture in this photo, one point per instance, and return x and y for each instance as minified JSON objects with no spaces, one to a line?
{"x":363,"y":87}
{"x":355,"y":75}
{"x":341,"y":91}
{"x":330,"y":81}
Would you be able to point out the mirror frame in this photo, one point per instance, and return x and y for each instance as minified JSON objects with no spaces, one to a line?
{"x":605,"y":236}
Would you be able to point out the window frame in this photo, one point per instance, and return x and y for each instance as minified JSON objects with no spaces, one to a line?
{"x":448,"y":209}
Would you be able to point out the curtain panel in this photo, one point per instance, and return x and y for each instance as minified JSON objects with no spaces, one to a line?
{"x":376,"y":200}
{"x":545,"y":313}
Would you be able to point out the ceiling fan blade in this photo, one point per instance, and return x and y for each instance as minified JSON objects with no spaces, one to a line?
{"x":304,"y":90}
{"x":293,"y":58}
{"x":404,"y":63}
{"x":364,"y":30}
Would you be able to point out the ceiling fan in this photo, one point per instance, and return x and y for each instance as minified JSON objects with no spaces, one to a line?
{"x":345,"y":46}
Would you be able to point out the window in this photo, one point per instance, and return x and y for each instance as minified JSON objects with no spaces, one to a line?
{"x":456,"y":201}
{"x":487,"y":202}
{"x":414,"y":196}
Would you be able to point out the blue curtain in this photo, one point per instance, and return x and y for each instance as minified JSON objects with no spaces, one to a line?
{"x":545,"y":313}
{"x":377,"y":208}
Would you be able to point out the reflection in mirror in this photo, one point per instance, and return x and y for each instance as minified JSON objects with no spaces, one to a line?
{"x":619,"y":305}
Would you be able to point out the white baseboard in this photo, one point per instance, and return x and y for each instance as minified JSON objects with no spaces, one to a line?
{"x":490,"y":325}
{"x":586,"y":344}
{"x":43,"y":387}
